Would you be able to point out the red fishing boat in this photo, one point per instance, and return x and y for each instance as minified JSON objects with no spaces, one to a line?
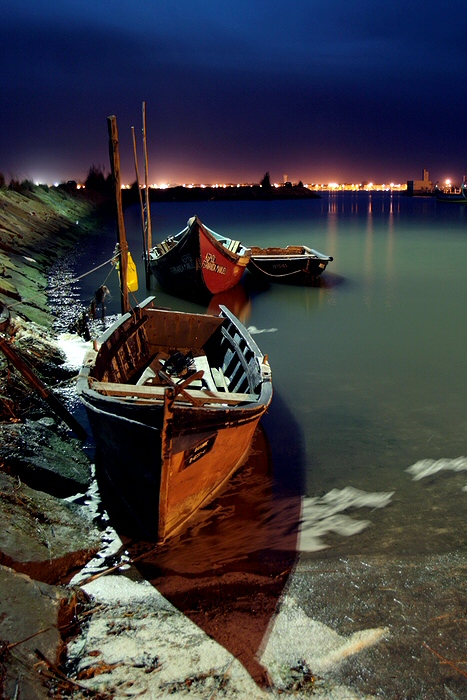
{"x":198,"y":261}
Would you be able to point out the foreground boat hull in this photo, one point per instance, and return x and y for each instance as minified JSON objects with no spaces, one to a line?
{"x":291,"y":265}
{"x":204,"y":457}
{"x":162,"y":457}
{"x":200,"y":262}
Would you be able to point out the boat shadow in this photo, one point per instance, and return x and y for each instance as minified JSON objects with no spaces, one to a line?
{"x":228,"y":570}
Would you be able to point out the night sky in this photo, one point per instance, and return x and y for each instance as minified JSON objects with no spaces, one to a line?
{"x":321,"y":91}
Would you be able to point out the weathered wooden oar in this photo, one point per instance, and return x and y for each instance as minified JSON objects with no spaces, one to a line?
{"x":42,"y":390}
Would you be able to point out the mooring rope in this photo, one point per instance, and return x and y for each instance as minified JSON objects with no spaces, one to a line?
{"x":27,"y":300}
{"x":112,"y":259}
{"x":285,"y":274}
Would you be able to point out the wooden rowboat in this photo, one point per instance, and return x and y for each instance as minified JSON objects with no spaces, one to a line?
{"x":198,"y":261}
{"x":295,"y":264}
{"x":173,"y":401}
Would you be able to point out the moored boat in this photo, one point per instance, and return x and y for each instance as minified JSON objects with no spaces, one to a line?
{"x":173,"y":401}
{"x":295,"y":264}
{"x":452,"y":193}
{"x":198,"y":261}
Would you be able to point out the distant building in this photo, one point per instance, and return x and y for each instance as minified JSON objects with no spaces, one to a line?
{"x":424,"y":186}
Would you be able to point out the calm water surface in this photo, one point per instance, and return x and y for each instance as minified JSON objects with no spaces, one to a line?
{"x":368,"y":367}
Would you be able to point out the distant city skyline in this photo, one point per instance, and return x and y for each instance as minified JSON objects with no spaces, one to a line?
{"x":338,"y":184}
{"x":129,"y":177}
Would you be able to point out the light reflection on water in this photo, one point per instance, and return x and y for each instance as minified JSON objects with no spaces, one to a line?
{"x":369,"y":363}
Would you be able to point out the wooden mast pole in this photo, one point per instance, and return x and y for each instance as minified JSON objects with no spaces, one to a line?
{"x":123,"y":246}
{"x":148,"y":208}
{"x":143,"y":224}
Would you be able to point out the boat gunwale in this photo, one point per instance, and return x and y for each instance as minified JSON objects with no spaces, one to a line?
{"x":215,"y":238}
{"x":278,"y":253}
{"x":133,"y":394}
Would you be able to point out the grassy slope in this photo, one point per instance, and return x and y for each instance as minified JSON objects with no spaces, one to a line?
{"x":36,"y":227}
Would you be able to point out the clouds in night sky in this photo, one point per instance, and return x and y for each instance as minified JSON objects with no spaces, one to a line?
{"x":321,"y":91}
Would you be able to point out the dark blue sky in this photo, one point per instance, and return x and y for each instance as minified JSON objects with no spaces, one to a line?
{"x":321,"y":91}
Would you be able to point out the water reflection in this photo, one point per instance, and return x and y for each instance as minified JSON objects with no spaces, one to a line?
{"x":369,"y":365}
{"x":236,"y":300}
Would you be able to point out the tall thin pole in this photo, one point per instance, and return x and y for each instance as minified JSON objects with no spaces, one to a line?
{"x":146,"y":177}
{"x":143,"y":222}
{"x":123,"y":246}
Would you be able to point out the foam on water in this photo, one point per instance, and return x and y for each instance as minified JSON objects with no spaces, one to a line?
{"x":428,"y":467}
{"x":325,"y":514}
{"x":74,"y":348}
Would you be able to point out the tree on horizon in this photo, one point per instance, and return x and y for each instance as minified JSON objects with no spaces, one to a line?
{"x":97,"y":181}
{"x":266,"y":181}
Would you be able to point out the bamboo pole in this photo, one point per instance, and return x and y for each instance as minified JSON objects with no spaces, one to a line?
{"x":143,"y":222}
{"x":146,"y":178}
{"x":42,"y":390}
{"x":122,"y":243}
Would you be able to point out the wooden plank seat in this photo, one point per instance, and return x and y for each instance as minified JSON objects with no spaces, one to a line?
{"x":156,"y":393}
{"x":219,"y":379}
{"x":163,"y":247}
{"x":201,"y":363}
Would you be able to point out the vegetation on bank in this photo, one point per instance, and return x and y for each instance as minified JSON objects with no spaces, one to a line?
{"x":37,"y":224}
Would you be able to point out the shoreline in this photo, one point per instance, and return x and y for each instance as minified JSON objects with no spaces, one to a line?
{"x":237,"y":193}
{"x":43,"y":537}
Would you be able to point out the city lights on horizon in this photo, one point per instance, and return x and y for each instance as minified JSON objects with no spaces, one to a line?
{"x":332,"y":186}
{"x":329,"y":186}
{"x":166,"y":183}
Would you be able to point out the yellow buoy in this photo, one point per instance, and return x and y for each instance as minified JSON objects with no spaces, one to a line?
{"x":132,"y":275}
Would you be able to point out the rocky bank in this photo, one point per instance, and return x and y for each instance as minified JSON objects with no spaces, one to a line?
{"x":44,"y":538}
